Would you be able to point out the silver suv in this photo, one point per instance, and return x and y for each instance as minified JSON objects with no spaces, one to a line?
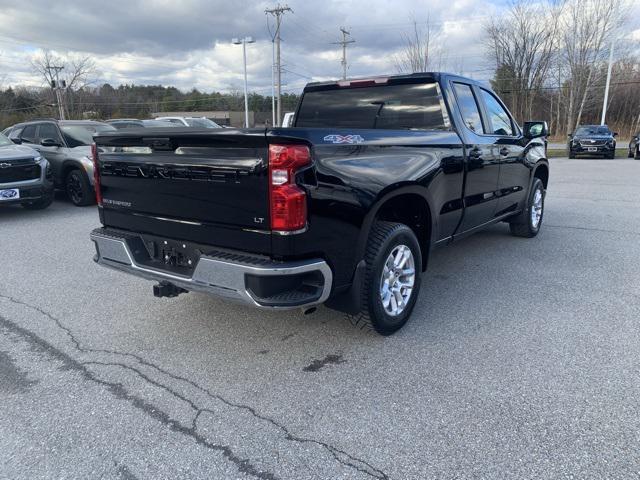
{"x":25,"y":176}
{"x":66,"y":144}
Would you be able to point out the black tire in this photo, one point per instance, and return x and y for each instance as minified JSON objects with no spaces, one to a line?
{"x":637,"y":154}
{"x":78,"y":188}
{"x":572,"y":155}
{"x":611,"y":156}
{"x":630,"y":154}
{"x":523,"y":225}
{"x":383,"y":239}
{"x":39,"y":204}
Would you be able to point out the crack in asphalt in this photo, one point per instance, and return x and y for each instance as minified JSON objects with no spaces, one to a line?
{"x":118,"y":390}
{"x":244,"y":466}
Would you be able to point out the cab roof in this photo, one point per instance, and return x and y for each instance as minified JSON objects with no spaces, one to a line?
{"x":387,"y":79}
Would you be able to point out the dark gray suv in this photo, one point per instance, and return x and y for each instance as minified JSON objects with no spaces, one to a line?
{"x":66,"y":144}
{"x":25,"y":176}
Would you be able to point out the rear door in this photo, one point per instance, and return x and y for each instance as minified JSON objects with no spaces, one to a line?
{"x":482,"y":165}
{"x":508,"y":145}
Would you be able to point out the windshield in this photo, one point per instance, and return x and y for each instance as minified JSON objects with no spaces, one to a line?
{"x":82,"y":134}
{"x":593,"y":130}
{"x":201,"y":123}
{"x":4,"y":141}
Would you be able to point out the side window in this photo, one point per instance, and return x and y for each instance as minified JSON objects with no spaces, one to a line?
{"x":29,"y":133}
{"x":498,"y":116}
{"x":15,"y":133}
{"x":48,"y":130}
{"x":468,"y":107}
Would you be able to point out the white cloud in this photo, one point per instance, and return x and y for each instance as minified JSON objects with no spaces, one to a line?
{"x":187,"y":44}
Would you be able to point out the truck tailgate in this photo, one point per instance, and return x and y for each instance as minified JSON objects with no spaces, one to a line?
{"x":202,"y":186}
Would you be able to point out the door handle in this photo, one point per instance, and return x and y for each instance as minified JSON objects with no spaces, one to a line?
{"x":475,"y":153}
{"x":504,"y":151}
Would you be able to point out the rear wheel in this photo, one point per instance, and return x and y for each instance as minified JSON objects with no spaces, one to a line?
{"x":637,"y":155}
{"x":528,"y":223}
{"x":78,"y":188}
{"x":392,"y":279}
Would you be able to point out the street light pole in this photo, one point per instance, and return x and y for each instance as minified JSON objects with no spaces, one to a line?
{"x":606,"y":88}
{"x":244,"y":42}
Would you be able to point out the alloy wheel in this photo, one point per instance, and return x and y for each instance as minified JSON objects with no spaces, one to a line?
{"x":397,"y":280}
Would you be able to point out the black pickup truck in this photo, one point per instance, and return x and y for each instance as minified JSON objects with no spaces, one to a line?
{"x":343,"y":208}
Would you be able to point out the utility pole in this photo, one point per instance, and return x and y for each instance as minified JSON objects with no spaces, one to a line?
{"x":606,"y":88}
{"x":55,"y":84}
{"x":273,"y":83}
{"x":344,"y":44}
{"x":278,"y":12}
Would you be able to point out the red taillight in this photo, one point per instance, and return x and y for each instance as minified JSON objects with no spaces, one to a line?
{"x":288,"y":201}
{"x":96,"y":174}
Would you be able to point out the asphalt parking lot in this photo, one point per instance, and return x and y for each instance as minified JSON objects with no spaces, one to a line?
{"x":522,"y":360}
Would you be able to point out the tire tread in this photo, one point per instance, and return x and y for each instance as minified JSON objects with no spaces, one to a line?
{"x":379,"y":233}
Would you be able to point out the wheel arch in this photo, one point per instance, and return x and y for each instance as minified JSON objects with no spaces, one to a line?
{"x":541,"y":171}
{"x":69,"y":165}
{"x":408,"y":205}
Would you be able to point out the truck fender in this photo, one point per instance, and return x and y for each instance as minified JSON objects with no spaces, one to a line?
{"x":367,"y":223}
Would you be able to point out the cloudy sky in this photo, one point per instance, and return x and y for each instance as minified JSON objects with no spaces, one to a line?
{"x":187,"y":43}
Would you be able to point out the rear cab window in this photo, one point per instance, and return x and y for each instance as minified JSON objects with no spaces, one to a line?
{"x":469,"y":108}
{"x":413,"y":106}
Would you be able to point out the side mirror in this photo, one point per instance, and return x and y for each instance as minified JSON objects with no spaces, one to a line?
{"x":535,"y":129}
{"x":569,"y":135}
{"x":49,"y":142}
{"x":17,"y":141}
{"x":615,"y":134}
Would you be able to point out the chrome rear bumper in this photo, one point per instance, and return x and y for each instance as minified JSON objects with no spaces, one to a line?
{"x":227,"y":275}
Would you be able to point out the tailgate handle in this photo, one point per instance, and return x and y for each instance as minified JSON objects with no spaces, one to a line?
{"x":159,"y":143}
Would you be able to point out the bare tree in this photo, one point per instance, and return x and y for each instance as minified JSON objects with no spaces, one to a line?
{"x":522,"y":43}
{"x":418,"y":53}
{"x":587,"y":29}
{"x":79,"y":73}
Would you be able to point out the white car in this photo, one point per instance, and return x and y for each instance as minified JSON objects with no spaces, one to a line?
{"x":197,"y":122}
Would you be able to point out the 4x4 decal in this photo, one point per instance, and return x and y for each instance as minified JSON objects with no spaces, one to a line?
{"x":334,"y":138}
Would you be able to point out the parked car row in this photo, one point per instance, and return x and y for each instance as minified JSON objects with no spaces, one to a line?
{"x":122,"y":123}
{"x":196,"y":122}
{"x":66,"y":145}
{"x":39,"y":156}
